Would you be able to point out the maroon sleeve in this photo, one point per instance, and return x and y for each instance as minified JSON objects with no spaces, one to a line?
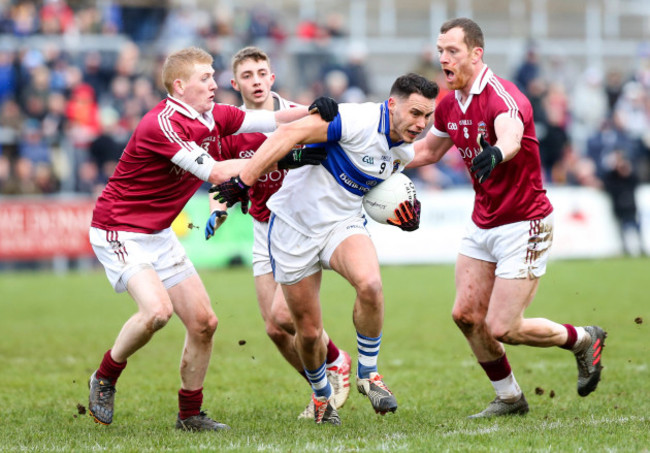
{"x":228,"y":118}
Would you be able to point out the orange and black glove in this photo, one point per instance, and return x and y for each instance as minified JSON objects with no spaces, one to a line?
{"x":407,"y":216}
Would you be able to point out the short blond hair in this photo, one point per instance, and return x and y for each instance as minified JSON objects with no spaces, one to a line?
{"x":180,"y":65}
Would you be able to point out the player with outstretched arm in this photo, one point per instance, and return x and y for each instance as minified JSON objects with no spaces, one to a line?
{"x":506,"y":245}
{"x":317,"y":223}
{"x":167,"y":159}
{"x":253,"y":79}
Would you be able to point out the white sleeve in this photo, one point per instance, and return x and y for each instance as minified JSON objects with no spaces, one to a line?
{"x":258,"y":121}
{"x":197,"y":161}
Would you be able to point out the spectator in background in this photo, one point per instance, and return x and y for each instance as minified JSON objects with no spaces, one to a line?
{"x":33,"y":145}
{"x":528,"y":70}
{"x":5,"y":165}
{"x":554,"y":144}
{"x":56,"y":17}
{"x":588,"y":107}
{"x":24,"y":18}
{"x":620,"y":182}
{"x":34,"y":97}
{"x":633,"y":110}
{"x":180,"y":27}
{"x":609,"y":137}
{"x":105,"y":150}
{"x":7,"y":74}
{"x":613,"y":88}
{"x":355,"y":68}
{"x":82,"y":115}
{"x":95,"y":72}
{"x":54,"y":123}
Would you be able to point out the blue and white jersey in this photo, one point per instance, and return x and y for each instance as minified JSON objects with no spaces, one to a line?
{"x":360,"y":154}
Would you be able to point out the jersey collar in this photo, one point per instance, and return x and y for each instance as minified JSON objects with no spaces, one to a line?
{"x":480,"y":82}
{"x":185,"y":109}
{"x":384,"y":124}
{"x":477,"y":87}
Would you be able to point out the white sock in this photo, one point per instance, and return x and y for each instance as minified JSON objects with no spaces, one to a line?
{"x":507,"y":389}
{"x":337,"y":362}
{"x":583,"y":340}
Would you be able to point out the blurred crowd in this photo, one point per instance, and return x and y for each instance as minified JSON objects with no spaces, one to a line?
{"x":65,"y":115}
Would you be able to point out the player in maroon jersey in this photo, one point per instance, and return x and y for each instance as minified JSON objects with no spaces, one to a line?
{"x":254,"y":79}
{"x":169,"y":156}
{"x":505,"y":248}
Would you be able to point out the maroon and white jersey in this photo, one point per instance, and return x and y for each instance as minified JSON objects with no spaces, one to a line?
{"x":243,"y":146}
{"x":514,"y":190}
{"x":148,"y":190}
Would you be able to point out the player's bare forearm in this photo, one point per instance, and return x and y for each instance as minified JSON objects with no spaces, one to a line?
{"x":224,"y":170}
{"x":509,"y":132}
{"x":429,"y":150}
{"x":311,"y":129}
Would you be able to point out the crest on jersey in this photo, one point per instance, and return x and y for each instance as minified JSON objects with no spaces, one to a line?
{"x":482,"y":129}
{"x":396,"y":164}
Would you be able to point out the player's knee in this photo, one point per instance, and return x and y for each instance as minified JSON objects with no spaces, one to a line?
{"x":158,"y":318}
{"x":310,"y":337}
{"x":281,"y":319}
{"x":370,"y":290}
{"x":275,"y":332}
{"x":465,"y":320}
{"x":207,"y":325}
{"x":504,"y":332}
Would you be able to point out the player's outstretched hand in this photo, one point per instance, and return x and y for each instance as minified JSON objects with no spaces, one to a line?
{"x":487,"y":159}
{"x":231,"y":192}
{"x":326,"y":107}
{"x":297,"y":157}
{"x":407,"y":216}
{"x":215,"y":220}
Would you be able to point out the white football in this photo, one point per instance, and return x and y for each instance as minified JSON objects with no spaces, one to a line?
{"x":381,"y":201}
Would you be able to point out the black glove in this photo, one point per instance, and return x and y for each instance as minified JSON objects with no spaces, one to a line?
{"x":215,"y":220}
{"x":231,"y":192}
{"x":297,"y":157}
{"x":326,"y":107}
{"x":407,"y":216}
{"x":486,"y":160}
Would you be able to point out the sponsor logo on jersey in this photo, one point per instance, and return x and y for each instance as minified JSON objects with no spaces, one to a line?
{"x":348,"y":182}
{"x":246,"y":153}
{"x":452,"y":126}
{"x":465,"y":122}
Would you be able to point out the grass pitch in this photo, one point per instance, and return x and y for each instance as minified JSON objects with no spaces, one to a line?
{"x":55,"y":330}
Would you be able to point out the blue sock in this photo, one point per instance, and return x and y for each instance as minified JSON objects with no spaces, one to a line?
{"x":318,"y":380}
{"x":368,"y":349}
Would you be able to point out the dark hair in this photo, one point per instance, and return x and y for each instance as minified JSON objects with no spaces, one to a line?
{"x":473,"y":33}
{"x":406,"y":85}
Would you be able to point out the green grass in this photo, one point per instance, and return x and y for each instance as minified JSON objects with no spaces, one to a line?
{"x":56,"y":328}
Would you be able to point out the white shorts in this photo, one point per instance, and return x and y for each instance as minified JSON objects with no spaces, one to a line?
{"x":124,"y":253}
{"x":261,"y":259}
{"x":295,"y":256}
{"x":520,"y":249}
